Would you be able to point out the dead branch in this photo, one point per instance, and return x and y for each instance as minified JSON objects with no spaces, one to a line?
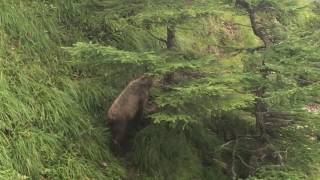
{"x":233,"y":170}
{"x":244,"y":163}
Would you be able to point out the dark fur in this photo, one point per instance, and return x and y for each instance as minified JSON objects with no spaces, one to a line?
{"x":127,"y":109}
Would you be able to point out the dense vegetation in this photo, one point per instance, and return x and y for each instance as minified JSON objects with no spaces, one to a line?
{"x":239,"y":94}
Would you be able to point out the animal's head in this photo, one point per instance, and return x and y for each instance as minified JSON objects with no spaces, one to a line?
{"x":146,"y":80}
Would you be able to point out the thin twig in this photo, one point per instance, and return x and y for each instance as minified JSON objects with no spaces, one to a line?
{"x":240,"y":49}
{"x":244,"y":25}
{"x":234,"y":173}
{"x":226,"y":144}
{"x":244,"y":163}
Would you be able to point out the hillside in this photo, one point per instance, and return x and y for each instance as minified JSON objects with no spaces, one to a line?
{"x":238,"y":95}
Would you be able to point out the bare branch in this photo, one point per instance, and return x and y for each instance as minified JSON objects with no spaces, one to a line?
{"x":244,"y":163}
{"x":244,"y":25}
{"x":240,"y":49}
{"x":226,"y":144}
{"x":234,"y":173}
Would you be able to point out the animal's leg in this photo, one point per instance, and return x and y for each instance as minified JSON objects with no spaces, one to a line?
{"x":137,"y":124}
{"x":118,"y":135}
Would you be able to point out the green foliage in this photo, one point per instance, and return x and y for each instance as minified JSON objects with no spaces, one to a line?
{"x":206,"y":97}
{"x":293,"y":72}
{"x":290,"y":74}
{"x":302,"y":152}
{"x":165,"y":150}
{"x":168,"y":149}
{"x":175,"y":103}
{"x":52,"y":123}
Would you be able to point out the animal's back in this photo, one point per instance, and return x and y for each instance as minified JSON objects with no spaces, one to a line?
{"x":126,"y":105}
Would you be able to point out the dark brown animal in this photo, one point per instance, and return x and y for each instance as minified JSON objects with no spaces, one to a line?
{"x":128,"y":108}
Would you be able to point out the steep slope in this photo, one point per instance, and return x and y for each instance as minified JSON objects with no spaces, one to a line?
{"x":49,"y":123}
{"x":63,"y":62}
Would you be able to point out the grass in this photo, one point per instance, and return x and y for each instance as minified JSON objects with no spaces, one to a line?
{"x":51,"y":126}
{"x":52,"y":123}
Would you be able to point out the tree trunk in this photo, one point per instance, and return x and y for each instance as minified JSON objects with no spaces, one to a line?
{"x":253,"y":21}
{"x":260,"y":110}
{"x":171,"y":37}
{"x":255,"y":29}
{"x":260,"y":107}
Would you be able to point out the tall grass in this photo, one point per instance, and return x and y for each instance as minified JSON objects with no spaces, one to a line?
{"x":50,"y":125}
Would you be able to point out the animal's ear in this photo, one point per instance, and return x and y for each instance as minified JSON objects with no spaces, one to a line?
{"x":146,"y":77}
{"x":146,"y":80}
{"x":143,"y":77}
